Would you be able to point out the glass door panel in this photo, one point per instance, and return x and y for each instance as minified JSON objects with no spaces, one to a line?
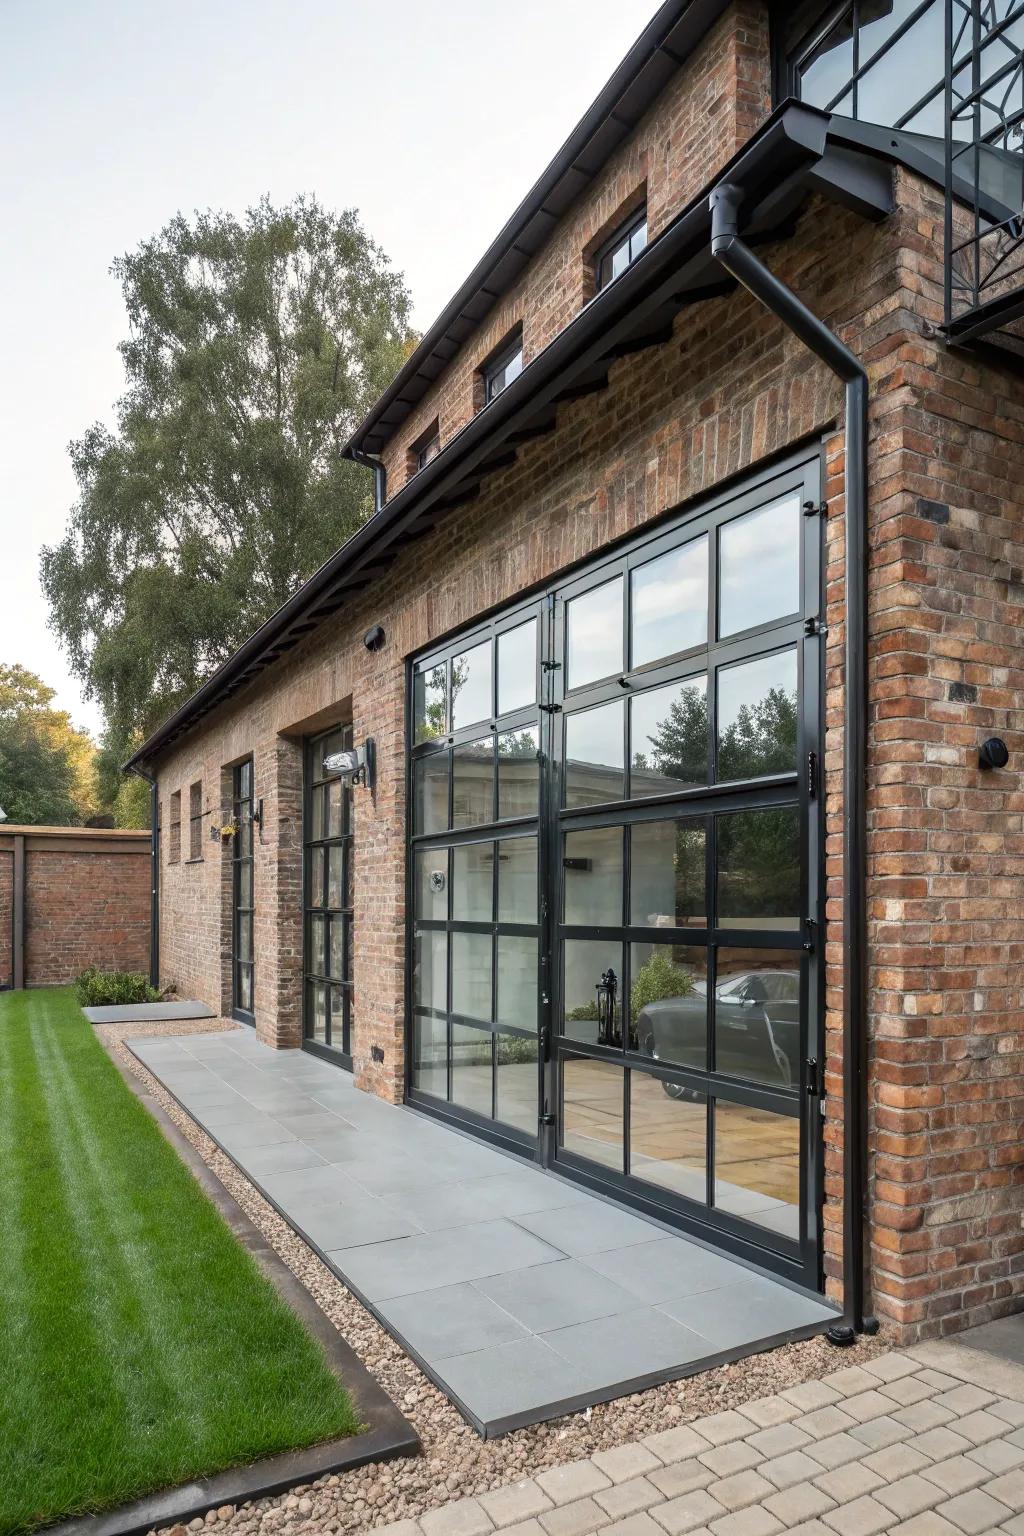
{"x":327,"y":903}
{"x":243,"y":1002}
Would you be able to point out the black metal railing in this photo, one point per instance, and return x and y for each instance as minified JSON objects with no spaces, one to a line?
{"x":984,"y":213}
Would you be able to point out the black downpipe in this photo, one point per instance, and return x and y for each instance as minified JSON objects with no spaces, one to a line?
{"x":380,"y":475}
{"x":739,"y":260}
{"x":154,"y":876}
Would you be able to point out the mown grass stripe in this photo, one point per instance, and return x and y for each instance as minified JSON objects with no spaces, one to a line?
{"x":140,"y":1344}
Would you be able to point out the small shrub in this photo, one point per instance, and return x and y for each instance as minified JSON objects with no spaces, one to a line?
{"x":657,"y":979}
{"x":98,"y":989}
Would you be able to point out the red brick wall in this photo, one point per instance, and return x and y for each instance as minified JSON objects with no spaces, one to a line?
{"x":86,"y":902}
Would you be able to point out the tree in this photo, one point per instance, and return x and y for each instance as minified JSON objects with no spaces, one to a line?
{"x":47,"y":767}
{"x":254,"y":347}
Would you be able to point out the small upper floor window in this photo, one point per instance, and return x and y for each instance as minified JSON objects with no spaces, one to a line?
{"x":621,"y":249}
{"x":174,"y":835}
{"x":426,"y":447}
{"x":880,"y":61}
{"x":505,"y":366}
{"x":195,"y":820}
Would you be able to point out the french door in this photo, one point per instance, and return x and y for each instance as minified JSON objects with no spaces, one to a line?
{"x":327,"y":901}
{"x":242,"y":902}
{"x":615,"y":874}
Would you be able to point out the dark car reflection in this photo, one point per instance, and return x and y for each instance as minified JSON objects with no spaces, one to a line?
{"x":757,"y":1029}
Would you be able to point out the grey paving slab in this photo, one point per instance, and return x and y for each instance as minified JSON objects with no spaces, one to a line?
{"x":148,"y":1013}
{"x":521,"y":1294}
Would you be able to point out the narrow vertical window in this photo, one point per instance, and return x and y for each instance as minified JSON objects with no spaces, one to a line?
{"x":174,"y":841}
{"x":195,"y":820}
{"x":621,"y":249}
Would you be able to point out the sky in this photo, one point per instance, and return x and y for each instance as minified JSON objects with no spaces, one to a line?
{"x":432,"y":119}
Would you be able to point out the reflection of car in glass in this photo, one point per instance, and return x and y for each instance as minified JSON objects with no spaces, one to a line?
{"x":757,"y":1029}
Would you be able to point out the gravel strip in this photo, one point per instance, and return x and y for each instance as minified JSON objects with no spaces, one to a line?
{"x":455,"y":1462}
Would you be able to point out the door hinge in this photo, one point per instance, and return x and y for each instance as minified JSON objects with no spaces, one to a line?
{"x":552,"y":709}
{"x":814,"y":627}
{"x":547,"y":1119}
{"x":810,"y":933}
{"x":812,"y":775}
{"x":551,"y":666}
{"x":813,"y":1078}
{"x":815,"y":509}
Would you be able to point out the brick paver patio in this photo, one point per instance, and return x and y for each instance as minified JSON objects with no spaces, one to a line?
{"x":927,"y":1441}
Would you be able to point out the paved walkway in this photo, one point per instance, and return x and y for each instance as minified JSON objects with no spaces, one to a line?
{"x":923,"y":1442}
{"x":521,"y":1295}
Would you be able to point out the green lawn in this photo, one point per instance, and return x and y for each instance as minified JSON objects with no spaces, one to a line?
{"x":139,"y":1343}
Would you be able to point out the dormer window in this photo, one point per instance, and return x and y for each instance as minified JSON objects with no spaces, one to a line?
{"x":621,"y":249}
{"x":426,"y":447}
{"x":505,"y":366}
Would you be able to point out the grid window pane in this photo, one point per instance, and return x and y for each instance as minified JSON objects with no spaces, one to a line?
{"x":594,"y":634}
{"x":668,"y":1003}
{"x":518,"y":773}
{"x":757,"y":1015}
{"x":757,"y":717}
{"x":430,"y":793}
{"x":668,"y":1129}
{"x":669,"y":739}
{"x":759,"y":567}
{"x":318,"y":1012}
{"x":669,"y":603}
{"x":516,"y":1082}
{"x":517,"y":981}
{"x":318,"y":945}
{"x":471,"y":975}
{"x":471,"y":686}
{"x":430,"y":971}
{"x":593,"y":876}
{"x":592,"y":1110}
{"x":430,"y":1056}
{"x":594,"y":755}
{"x":517,"y":880}
{"x":667,"y":874}
{"x":473,"y":882}
{"x":517,"y":667}
{"x":827,"y":68}
{"x":430,"y":702}
{"x":431,"y":882}
{"x":758,"y":855}
{"x":757,"y":1166}
{"x":473,"y":783}
{"x":472,"y":1068}
{"x":590,"y":1014}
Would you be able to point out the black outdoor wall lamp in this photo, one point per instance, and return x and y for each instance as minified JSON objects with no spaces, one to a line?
{"x":993,"y":753}
{"x":358,"y":765}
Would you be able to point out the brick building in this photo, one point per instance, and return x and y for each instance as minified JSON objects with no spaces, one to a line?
{"x":671,"y":646}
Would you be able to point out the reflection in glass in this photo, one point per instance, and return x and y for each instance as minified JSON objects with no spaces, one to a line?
{"x":668,"y":1003}
{"x":430,"y":702}
{"x":669,"y":597}
{"x":757,"y":1015}
{"x":667,"y":879}
{"x":517,"y":981}
{"x":473,"y":882}
{"x":334,"y":872}
{"x":338,"y":967}
{"x":316,"y":811}
{"x":668,"y":1136}
{"x":517,"y":1086}
{"x":430,"y":1056}
{"x":594,"y":755}
{"x":336,"y":1018}
{"x":517,"y":880}
{"x":594,"y":634}
{"x":473,"y":783}
{"x":518,"y":773}
{"x":829,"y":65}
{"x":906,"y":72}
{"x":471,"y":686}
{"x":318,"y":1011}
{"x":318,"y":945}
{"x":430,"y":970}
{"x":758,"y":855}
{"x":757,"y":1166}
{"x":430,"y":793}
{"x":592,"y":1110}
{"x":337,"y":801}
{"x":592,"y":993}
{"x":759,"y":566}
{"x":517,"y":667}
{"x":757,"y":717}
{"x":669,"y":738}
{"x":471,"y":975}
{"x":430,"y":879}
{"x":593,"y":876}
{"x":472,"y":1056}
{"x":245,"y":987}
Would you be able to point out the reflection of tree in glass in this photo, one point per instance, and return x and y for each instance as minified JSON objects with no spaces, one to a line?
{"x":432,"y":712}
{"x":689,"y":869}
{"x":517,"y":746}
{"x":679,"y":747}
{"x":759,"y":863}
{"x":762,"y":738}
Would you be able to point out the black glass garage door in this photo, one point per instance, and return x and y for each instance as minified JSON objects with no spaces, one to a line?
{"x":327,"y":921}
{"x":620,"y":872}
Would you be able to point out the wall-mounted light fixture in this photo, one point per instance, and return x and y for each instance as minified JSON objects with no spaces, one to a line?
{"x":993,"y":753}
{"x":374,"y":637}
{"x":356,"y":766}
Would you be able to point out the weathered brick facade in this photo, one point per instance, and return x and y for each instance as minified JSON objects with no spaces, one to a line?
{"x":86,"y":901}
{"x":946,"y":584}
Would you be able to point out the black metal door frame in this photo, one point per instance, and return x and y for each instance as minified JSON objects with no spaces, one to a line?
{"x":243,"y":869}
{"x":317,"y":843}
{"x":799,"y":1261}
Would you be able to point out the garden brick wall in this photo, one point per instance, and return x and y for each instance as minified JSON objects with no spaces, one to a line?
{"x":86,"y":902}
{"x":946,"y":589}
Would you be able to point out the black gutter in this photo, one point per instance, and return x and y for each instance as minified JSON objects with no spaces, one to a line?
{"x":738,"y":259}
{"x":154,"y":872}
{"x":380,"y":474}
